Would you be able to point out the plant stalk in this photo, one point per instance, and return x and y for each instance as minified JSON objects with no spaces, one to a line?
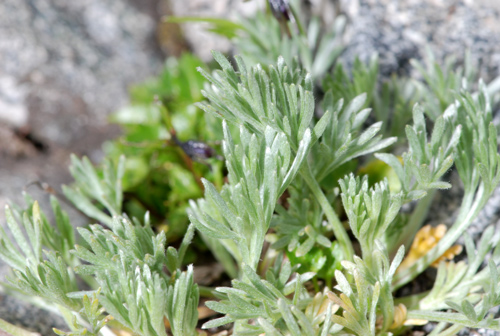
{"x":417,"y":217}
{"x":453,"y":318}
{"x":446,"y":242}
{"x":338,"y":229}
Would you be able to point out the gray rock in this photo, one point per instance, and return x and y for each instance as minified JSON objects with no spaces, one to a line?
{"x":64,"y":67}
{"x":201,"y":41}
{"x":28,"y":317}
{"x":400,"y":30}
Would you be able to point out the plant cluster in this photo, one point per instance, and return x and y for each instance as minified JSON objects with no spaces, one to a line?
{"x":316,"y":215}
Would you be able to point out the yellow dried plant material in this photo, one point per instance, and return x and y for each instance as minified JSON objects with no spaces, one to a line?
{"x":399,"y":316}
{"x":119,"y":332}
{"x":425,"y":239}
{"x":318,"y":305}
{"x":415,"y":322}
{"x":449,"y":254}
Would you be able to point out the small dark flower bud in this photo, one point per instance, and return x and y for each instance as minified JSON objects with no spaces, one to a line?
{"x":197,"y":150}
{"x":280,"y":9}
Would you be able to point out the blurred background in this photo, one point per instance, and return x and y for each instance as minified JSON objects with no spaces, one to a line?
{"x":65,"y":66}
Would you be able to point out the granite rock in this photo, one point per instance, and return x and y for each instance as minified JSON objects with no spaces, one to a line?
{"x":400,"y":30}
{"x":64,"y":67}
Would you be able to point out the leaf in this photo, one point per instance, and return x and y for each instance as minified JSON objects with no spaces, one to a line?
{"x":221,"y":27}
{"x":217,"y":322}
{"x":10,"y":329}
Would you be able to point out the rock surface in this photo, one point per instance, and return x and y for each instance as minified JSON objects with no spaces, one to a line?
{"x":400,"y":30}
{"x":64,"y":67}
{"x":201,"y":41}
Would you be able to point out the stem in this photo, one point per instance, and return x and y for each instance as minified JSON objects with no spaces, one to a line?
{"x":438,"y":329}
{"x":315,"y":284}
{"x":224,"y":251}
{"x":329,"y":282}
{"x":386,"y":302}
{"x":297,"y":20}
{"x":436,"y":316}
{"x":67,"y":316}
{"x":256,"y":245}
{"x":11,"y":329}
{"x":207,"y":292}
{"x":417,"y":217}
{"x":36,"y":301}
{"x":338,"y":229}
{"x":453,"y":318}
{"x":458,"y":228}
{"x":451,"y":331}
{"x":411,"y":301}
{"x":106,"y":331}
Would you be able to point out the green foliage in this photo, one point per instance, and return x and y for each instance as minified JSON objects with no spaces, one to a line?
{"x":158,"y":176}
{"x":248,"y":98}
{"x":11,"y":329}
{"x":48,"y":278}
{"x":91,"y":189}
{"x":362,"y":80}
{"x":92,"y":312}
{"x":303,"y":234}
{"x":222,"y":27}
{"x":463,"y":281}
{"x":477,"y":165}
{"x":441,"y":81}
{"x":280,"y":98}
{"x":182,"y":304}
{"x":262,"y":41}
{"x":242,"y":212}
{"x":131,"y":297}
{"x":264,"y":299}
{"x":343,"y":140}
{"x":371,"y":211}
{"x":132,"y":243}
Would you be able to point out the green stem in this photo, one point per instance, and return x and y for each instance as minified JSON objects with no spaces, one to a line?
{"x":315,"y":284}
{"x":451,"y":331}
{"x":302,"y":31}
{"x":458,"y":228}
{"x":11,"y":329}
{"x":453,"y":318}
{"x":224,"y":251}
{"x":33,"y":300}
{"x":338,"y":229}
{"x":207,"y":292}
{"x":386,"y":303}
{"x":438,"y":329}
{"x":414,"y":223}
{"x":67,"y":316}
{"x":411,"y":301}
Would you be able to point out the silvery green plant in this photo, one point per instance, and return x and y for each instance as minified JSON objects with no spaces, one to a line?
{"x":125,"y":264}
{"x":99,"y":198}
{"x":364,"y":297}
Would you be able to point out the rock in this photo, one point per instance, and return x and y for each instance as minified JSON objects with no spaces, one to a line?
{"x":13,"y":111}
{"x":400,"y":30}
{"x":64,"y":67}
{"x":396,"y":30}
{"x":200,"y":40}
